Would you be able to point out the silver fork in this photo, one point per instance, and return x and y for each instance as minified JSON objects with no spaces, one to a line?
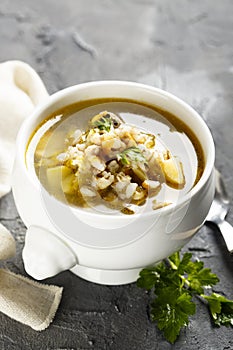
{"x":219,"y":209}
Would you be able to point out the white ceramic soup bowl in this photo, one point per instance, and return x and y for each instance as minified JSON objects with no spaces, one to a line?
{"x":99,"y":247}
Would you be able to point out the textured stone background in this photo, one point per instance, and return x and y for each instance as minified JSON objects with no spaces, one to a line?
{"x":182,"y":46}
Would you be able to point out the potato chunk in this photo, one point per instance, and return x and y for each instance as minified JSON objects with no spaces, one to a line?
{"x":68,"y":184}
{"x":173,"y":172}
{"x":60,"y":178}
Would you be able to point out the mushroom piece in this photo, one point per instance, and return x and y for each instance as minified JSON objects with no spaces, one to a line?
{"x":87,"y":192}
{"x":158,"y":205}
{"x":105,"y":180}
{"x":152,"y":187}
{"x":116,"y":121}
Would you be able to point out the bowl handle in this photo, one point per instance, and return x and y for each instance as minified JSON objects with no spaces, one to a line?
{"x":45,"y":254}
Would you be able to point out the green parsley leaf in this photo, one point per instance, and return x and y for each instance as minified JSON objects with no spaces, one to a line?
{"x":182,"y":265}
{"x":104,"y":123}
{"x":158,"y":277}
{"x":198,"y":276}
{"x":221,"y":309}
{"x":171,"y":310}
{"x":175,"y":260}
{"x":148,"y":278}
{"x":201,"y":278}
{"x":185,"y":263}
{"x":131,"y":155}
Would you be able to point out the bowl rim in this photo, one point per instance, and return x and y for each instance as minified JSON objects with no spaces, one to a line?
{"x":23,"y":141}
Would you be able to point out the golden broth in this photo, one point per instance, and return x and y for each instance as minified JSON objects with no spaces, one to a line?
{"x":169,"y":130}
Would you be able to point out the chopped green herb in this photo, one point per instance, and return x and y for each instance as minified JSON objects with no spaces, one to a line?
{"x":131,"y":155}
{"x":104,"y":123}
{"x":175,"y":282}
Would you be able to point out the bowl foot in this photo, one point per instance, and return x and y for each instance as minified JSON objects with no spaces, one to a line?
{"x":108,"y":277}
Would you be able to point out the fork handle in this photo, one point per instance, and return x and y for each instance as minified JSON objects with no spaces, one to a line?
{"x":227,"y":233}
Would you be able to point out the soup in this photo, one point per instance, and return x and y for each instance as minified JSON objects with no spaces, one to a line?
{"x":116,"y":155}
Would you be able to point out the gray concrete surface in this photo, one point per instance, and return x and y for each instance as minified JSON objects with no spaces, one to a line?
{"x":183,"y":46}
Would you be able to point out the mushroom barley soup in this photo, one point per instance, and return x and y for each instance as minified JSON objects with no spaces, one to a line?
{"x":116,"y":155}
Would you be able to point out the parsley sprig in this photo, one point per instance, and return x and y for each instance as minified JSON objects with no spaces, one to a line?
{"x":175,"y":282}
{"x":131,"y":155}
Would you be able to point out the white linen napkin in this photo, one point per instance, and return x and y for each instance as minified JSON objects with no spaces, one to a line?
{"x":21,"y":89}
{"x":25,"y":300}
